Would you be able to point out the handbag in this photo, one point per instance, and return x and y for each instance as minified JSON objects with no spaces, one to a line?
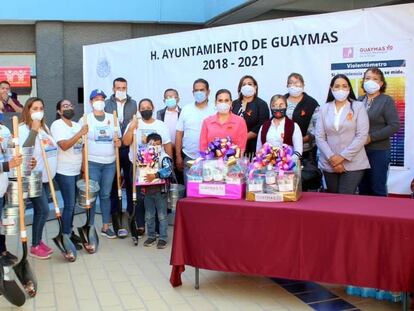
{"x":311,"y":175}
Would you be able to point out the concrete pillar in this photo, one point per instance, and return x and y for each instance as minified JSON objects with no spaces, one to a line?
{"x":49,"y":65}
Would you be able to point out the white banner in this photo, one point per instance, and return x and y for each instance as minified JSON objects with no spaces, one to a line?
{"x":316,"y":46}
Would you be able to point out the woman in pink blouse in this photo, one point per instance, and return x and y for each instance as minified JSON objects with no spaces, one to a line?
{"x":224,"y":123}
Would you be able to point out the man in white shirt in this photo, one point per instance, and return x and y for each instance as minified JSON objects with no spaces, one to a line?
{"x":169,"y":115}
{"x":126,"y":108}
{"x":187,"y":137}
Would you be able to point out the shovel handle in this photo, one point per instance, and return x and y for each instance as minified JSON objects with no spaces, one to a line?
{"x":86,"y":152}
{"x":49,"y":178}
{"x":118,"y":169}
{"x":23,"y":233}
{"x":134,"y":163}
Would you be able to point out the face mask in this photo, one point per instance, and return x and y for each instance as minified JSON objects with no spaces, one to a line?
{"x":247,"y":90}
{"x":200,"y":96}
{"x":37,"y":116}
{"x":170,"y":102}
{"x":120,"y":95}
{"x":9,"y":94}
{"x":223,"y":107}
{"x":146,"y":114}
{"x":68,"y":114}
{"x":279,"y":113}
{"x":295,"y":91}
{"x":340,"y":95}
{"x":371,"y":87}
{"x":99,"y":105}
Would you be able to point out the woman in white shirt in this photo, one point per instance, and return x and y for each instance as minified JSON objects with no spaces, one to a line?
{"x":32,"y":132}
{"x":101,"y":154}
{"x":68,"y":135}
{"x":147,"y":125}
{"x":280,"y":129}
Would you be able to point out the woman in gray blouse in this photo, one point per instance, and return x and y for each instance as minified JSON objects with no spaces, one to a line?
{"x":383,"y":123}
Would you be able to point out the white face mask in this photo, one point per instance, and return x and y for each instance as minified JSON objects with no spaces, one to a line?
{"x":223,"y":107}
{"x":247,"y":90}
{"x":295,"y":91}
{"x":371,"y":87}
{"x":340,"y":95}
{"x":37,"y":116}
{"x":99,"y":105}
{"x":120,"y":95}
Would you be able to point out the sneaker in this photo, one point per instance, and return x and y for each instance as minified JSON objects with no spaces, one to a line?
{"x":161,"y":244}
{"x":122,"y":233}
{"x":4,"y":261}
{"x":45,"y":247}
{"x":38,"y":252}
{"x":141,"y":233}
{"x":108,"y":233}
{"x":10,"y":256}
{"x":150,"y":242}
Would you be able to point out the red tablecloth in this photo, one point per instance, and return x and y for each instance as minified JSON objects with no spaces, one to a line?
{"x":341,"y":239}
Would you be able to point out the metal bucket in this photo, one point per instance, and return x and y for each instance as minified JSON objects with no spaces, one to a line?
{"x":13,"y":192}
{"x":10,"y":221}
{"x":27,"y":154}
{"x":35,"y":184}
{"x":176,"y":192}
{"x":93,"y":192}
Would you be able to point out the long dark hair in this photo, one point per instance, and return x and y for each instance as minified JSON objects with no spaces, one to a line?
{"x":351,"y":96}
{"x":241,"y":84}
{"x":58,"y":106}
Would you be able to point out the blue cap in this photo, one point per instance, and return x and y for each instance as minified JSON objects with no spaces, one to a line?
{"x":97,"y":92}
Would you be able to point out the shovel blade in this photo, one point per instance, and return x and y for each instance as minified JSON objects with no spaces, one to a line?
{"x":26,"y":277}
{"x":11,"y":288}
{"x":66,"y":246}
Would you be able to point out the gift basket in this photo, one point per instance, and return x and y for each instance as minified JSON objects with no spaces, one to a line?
{"x":148,"y":162}
{"x":274,"y":175}
{"x":218,"y":172}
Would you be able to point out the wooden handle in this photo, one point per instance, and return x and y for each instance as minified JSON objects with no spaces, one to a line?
{"x":86,"y":151}
{"x":49,"y":178}
{"x":23,"y":234}
{"x":134,"y":163}
{"x":118,"y":169}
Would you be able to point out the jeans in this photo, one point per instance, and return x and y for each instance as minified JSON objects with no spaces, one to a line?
{"x":40,"y":214}
{"x":125,"y":166}
{"x":67,"y":185}
{"x":345,"y":183}
{"x":374,"y":181}
{"x":104,"y":175}
{"x":140,"y":209}
{"x":156,"y":203}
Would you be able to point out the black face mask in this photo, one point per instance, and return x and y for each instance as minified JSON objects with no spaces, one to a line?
{"x":68,"y":114}
{"x":146,"y":114}
{"x":279,"y":113}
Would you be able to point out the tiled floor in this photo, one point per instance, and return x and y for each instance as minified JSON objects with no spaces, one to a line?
{"x":121,"y":276}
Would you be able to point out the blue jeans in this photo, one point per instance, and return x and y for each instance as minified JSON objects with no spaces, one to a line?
{"x":40,"y":214}
{"x":126,"y":167}
{"x":67,"y":185}
{"x":2,"y":236}
{"x":374,"y":181}
{"x":156,"y":203}
{"x":186,"y":169}
{"x":104,"y":175}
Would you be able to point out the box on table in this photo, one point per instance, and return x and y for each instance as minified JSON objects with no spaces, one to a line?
{"x":216,"y":178}
{"x":287,"y":188}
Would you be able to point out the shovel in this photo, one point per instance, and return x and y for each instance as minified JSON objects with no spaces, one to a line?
{"x":62,"y":241}
{"x":19,"y":280}
{"x":117,"y":216}
{"x":88,"y":233}
{"x":133,"y":227}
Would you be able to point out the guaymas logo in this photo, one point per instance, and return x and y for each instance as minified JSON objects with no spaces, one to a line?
{"x":305,"y":39}
{"x":375,"y":50}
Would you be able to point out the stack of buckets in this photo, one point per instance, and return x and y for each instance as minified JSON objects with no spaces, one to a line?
{"x":32,"y":187}
{"x":176,"y":192}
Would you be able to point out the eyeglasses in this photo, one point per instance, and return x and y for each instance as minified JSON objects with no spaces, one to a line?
{"x":67,"y":106}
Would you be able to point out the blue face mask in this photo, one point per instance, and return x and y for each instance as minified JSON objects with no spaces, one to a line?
{"x":200,"y":96}
{"x":170,"y":102}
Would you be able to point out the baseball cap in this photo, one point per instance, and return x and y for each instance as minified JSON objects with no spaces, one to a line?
{"x":97,"y":92}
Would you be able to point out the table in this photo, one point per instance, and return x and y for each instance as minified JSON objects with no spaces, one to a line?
{"x":331,"y":238}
